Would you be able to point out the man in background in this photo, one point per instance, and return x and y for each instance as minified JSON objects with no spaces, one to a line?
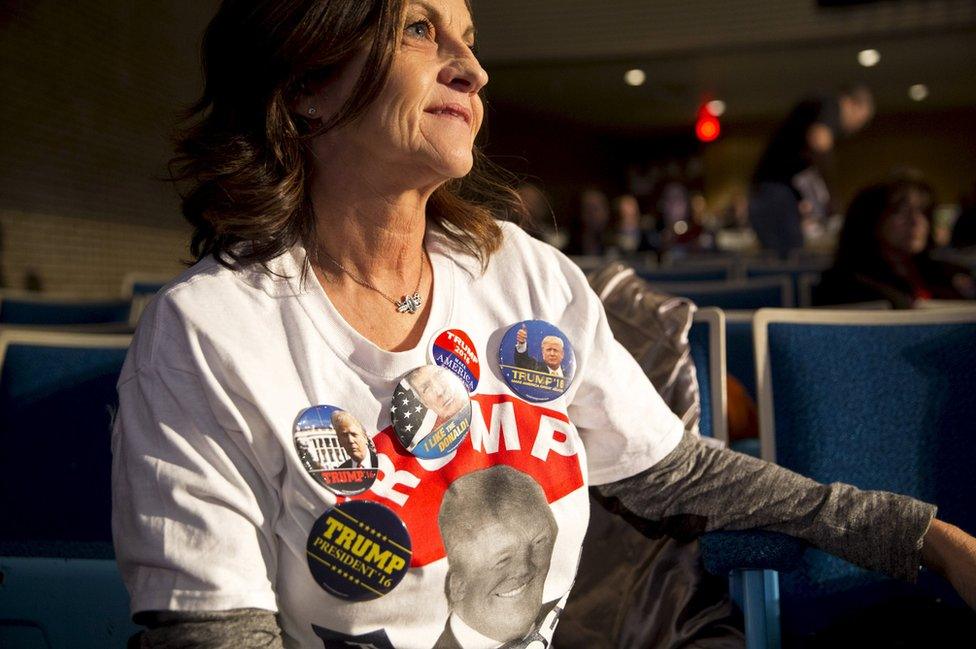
{"x":789,"y":190}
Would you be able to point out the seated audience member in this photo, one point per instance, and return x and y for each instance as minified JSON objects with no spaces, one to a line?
{"x":629,"y":236}
{"x":964,"y":231}
{"x":590,"y":231}
{"x":539,"y":220}
{"x":884,"y":250}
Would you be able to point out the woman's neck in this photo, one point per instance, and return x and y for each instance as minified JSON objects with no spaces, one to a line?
{"x":375,"y":233}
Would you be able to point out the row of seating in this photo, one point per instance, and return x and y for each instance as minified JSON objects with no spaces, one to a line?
{"x":104,"y":315}
{"x":776,"y":285}
{"x":882,"y":400}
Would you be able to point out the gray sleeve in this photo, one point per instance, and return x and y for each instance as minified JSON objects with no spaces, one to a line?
{"x":241,"y":628}
{"x":698,"y":488}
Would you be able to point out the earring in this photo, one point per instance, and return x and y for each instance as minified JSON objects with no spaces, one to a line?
{"x":311,"y":110}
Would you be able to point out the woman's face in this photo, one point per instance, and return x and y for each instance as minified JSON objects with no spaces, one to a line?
{"x":425,"y":119}
{"x":906,"y":228}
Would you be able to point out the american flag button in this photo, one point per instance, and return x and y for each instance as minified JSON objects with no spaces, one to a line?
{"x":430,"y":411}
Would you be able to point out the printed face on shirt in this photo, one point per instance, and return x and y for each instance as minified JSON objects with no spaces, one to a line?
{"x":552,"y":351}
{"x":351,"y":435}
{"x":499,"y":533}
{"x":438,"y":389}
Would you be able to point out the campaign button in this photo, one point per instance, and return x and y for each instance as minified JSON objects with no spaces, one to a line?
{"x":452,"y":349}
{"x":335,"y":450}
{"x":536,"y":360}
{"x":431,"y":412}
{"x":358,"y":550}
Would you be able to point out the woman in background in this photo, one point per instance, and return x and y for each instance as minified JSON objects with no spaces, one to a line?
{"x":885,"y":250}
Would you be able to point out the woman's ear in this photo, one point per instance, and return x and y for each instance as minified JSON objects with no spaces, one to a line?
{"x":306,"y":99}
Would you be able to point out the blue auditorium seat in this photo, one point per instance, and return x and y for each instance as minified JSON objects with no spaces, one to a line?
{"x":740,"y":362}
{"x":881,"y":400}
{"x":23,"y":310}
{"x":143,"y":284}
{"x":60,"y":584}
{"x":801,"y":275}
{"x":734,"y":295}
{"x":685,"y":274}
{"x":708,"y":354}
{"x":748,"y":557}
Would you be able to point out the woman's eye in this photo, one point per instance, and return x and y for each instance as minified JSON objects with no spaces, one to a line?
{"x":420,"y":29}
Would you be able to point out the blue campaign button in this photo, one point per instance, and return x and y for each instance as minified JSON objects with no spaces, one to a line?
{"x":431,"y":412}
{"x":452,"y":349}
{"x":335,"y":450}
{"x":536,"y":360}
{"x":358,"y":550}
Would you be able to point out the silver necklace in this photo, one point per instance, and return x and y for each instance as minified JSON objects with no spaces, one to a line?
{"x":407,"y":304}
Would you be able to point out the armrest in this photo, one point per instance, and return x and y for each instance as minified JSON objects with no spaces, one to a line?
{"x":723,"y":552}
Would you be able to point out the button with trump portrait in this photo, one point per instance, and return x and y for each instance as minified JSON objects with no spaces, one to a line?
{"x":452,"y":349}
{"x":431,"y":411}
{"x":335,"y":450}
{"x":358,"y":550}
{"x":536,"y":360}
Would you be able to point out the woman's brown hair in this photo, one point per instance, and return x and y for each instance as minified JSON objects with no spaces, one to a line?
{"x":243,"y":162}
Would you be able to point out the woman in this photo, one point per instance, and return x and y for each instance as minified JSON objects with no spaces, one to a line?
{"x":884,"y":250}
{"x":336,"y":136}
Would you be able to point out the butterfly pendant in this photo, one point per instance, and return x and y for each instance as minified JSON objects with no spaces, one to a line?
{"x":409,"y":303}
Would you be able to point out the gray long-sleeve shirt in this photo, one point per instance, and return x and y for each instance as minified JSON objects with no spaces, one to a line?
{"x":697,"y":486}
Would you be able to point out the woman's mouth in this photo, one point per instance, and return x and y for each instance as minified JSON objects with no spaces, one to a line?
{"x":451,"y":111}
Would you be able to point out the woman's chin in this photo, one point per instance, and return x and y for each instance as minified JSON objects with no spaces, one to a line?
{"x":457,"y":164}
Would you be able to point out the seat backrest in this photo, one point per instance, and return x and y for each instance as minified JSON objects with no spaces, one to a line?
{"x":739,"y":355}
{"x":136,"y":284}
{"x":802,"y":277}
{"x":734,"y":295}
{"x":57,"y":401}
{"x":22,"y":310}
{"x":706,"y":341}
{"x":880,"y":400}
{"x":686,"y":274}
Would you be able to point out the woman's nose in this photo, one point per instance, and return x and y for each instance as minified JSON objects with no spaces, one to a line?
{"x":464,"y":73}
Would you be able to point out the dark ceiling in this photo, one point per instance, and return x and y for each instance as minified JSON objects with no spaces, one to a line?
{"x":567,"y":58}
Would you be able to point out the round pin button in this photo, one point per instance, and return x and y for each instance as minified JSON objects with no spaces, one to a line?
{"x":335,"y":450}
{"x":536,"y":360}
{"x":431,"y":411}
{"x":358,"y":550}
{"x":453,"y":350}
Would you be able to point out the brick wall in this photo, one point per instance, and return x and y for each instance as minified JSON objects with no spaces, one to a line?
{"x":85,"y":257}
{"x":92,"y":92}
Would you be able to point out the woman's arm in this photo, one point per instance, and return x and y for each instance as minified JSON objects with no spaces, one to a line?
{"x":697,"y":488}
{"x":243,"y":628}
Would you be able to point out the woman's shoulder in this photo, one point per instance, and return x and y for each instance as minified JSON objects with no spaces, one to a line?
{"x":519,"y":247}
{"x":208,"y":297}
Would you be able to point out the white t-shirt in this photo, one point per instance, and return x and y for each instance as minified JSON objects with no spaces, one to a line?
{"x":213,"y":508}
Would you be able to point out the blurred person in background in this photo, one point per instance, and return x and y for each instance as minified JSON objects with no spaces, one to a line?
{"x":790,"y":196}
{"x":681,"y":233}
{"x":885,"y":250}
{"x":629,"y":236}
{"x":964,"y":230}
{"x":589,"y":235}
{"x":539,"y":220}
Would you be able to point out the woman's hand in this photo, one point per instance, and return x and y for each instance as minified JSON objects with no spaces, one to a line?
{"x":949,"y":551}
